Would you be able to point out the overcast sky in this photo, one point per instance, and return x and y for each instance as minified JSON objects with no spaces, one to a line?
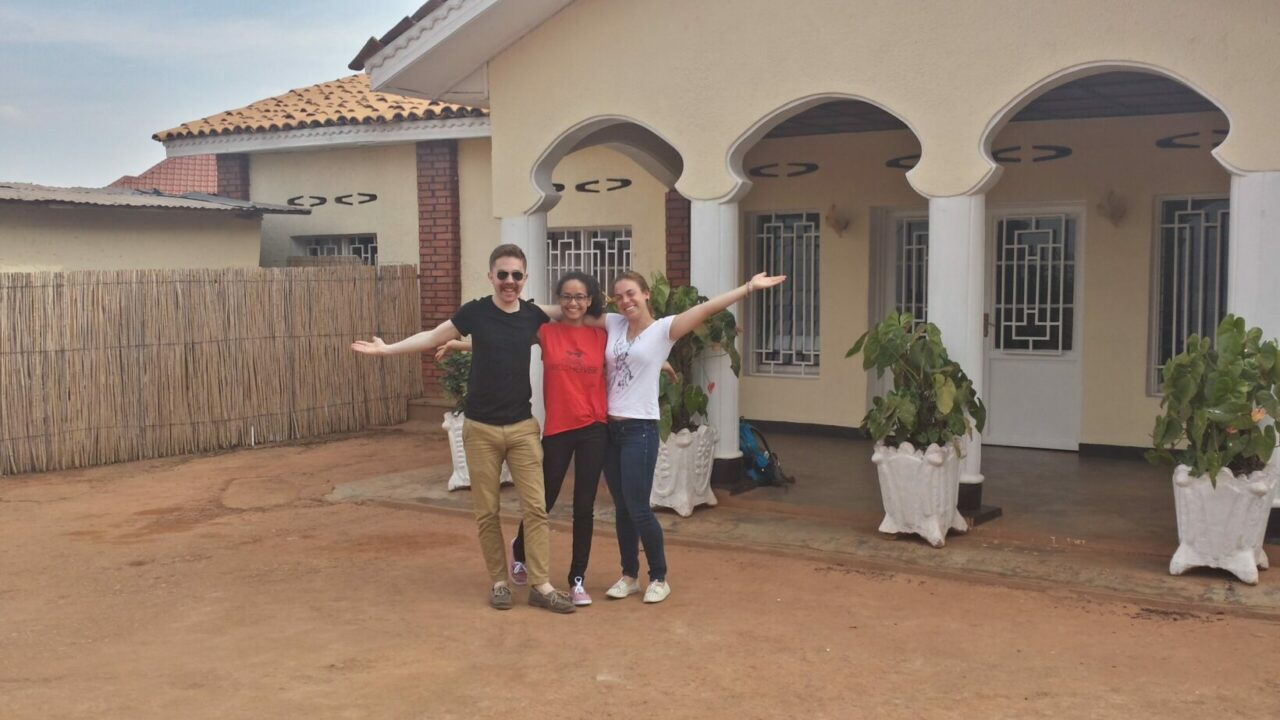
{"x":84,"y":83}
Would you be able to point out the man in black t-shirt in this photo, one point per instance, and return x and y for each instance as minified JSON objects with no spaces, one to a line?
{"x":500,"y":426}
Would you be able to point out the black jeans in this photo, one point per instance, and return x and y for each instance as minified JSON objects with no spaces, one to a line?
{"x":628,"y":469}
{"x":585,"y":446}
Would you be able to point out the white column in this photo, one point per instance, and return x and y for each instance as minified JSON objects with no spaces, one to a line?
{"x":1253,"y":253}
{"x":957,"y":293}
{"x":529,"y":232}
{"x":714,"y":269}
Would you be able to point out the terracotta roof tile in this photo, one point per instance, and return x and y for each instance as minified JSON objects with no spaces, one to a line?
{"x":373,"y":45}
{"x":345,"y":101}
{"x":176,"y":175}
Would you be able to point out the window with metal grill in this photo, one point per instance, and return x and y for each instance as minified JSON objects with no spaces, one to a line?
{"x":1190,"y":283}
{"x":602,"y":252}
{"x":784,"y":320}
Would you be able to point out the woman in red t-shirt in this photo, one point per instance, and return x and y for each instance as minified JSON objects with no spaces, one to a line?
{"x":576,"y":427}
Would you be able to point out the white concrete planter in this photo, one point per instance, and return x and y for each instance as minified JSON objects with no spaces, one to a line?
{"x":461,"y":477}
{"x":1223,"y":527}
{"x":919,"y":490}
{"x":682,"y":477}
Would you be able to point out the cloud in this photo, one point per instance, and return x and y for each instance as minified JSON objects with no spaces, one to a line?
{"x":10,"y":113}
{"x":169,"y":36}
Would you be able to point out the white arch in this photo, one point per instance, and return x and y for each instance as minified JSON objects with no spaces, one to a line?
{"x":595,"y":131}
{"x":1064,"y":76}
{"x":754,"y":134}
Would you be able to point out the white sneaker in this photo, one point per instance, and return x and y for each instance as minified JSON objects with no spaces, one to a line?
{"x":657,"y":591}
{"x":622,"y":588}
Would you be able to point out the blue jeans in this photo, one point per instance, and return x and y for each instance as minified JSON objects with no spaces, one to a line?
{"x":628,"y":470}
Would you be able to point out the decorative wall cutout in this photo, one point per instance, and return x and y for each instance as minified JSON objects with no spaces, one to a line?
{"x":1172,"y":142}
{"x":902,"y":162}
{"x":364,"y":198}
{"x":590,"y":186}
{"x":1006,"y":155}
{"x":318,"y":200}
{"x":770,"y":171}
{"x":1049,"y":152}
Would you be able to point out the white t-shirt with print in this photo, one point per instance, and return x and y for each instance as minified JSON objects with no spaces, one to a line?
{"x":634,"y":366}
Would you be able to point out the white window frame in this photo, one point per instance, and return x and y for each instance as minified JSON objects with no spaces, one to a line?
{"x":755,"y":316}
{"x":341,"y":245}
{"x":1153,"y":325}
{"x":901,"y":223}
{"x":617,"y":260}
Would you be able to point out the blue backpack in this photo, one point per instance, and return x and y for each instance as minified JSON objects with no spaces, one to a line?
{"x":759,"y":463}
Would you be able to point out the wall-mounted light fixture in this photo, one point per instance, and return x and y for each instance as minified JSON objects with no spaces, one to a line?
{"x":839,"y":221}
{"x":1113,"y":207}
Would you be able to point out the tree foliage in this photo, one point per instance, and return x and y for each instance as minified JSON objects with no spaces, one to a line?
{"x":457,"y":373}
{"x":1217,"y":401}
{"x":932,"y":400}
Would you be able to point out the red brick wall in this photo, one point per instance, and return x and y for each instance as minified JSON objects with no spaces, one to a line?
{"x":233,"y":176}
{"x":439,"y":243}
{"x":677,"y":238}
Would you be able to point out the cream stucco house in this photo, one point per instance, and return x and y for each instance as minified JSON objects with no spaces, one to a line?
{"x":63,"y":229}
{"x":397,"y":180}
{"x":1066,"y":189}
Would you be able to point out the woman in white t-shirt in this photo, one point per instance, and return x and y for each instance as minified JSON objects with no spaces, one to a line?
{"x":637,"y":347}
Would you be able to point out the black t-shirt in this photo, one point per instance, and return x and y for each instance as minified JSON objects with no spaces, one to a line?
{"x":498,"y":391}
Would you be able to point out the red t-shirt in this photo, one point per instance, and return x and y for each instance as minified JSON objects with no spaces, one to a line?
{"x":573,"y":379}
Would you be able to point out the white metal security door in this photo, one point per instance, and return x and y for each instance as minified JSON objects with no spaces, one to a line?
{"x":1033,"y":382}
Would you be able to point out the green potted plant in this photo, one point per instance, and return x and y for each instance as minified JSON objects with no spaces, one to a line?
{"x":456,"y":369}
{"x":1217,"y":429}
{"x":918,"y":426}
{"x":682,"y":477}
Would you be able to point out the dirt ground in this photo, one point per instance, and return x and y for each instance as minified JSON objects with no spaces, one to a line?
{"x":225,"y":586}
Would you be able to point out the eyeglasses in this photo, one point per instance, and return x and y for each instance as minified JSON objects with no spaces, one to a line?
{"x":574,"y":298}
{"x":515,"y":275}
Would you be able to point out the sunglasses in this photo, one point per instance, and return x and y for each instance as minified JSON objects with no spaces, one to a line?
{"x":514,"y":275}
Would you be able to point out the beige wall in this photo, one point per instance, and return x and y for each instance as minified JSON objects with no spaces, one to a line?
{"x":853,"y":178}
{"x":39,"y":239}
{"x":389,"y":171}
{"x":1108,"y":154}
{"x":951,"y":70}
{"x":1120,"y":155}
{"x":480,"y":229}
{"x":642,"y":206}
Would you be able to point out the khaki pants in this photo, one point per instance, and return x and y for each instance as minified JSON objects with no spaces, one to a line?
{"x":520,"y":445}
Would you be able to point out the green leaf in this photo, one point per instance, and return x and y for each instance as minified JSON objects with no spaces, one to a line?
{"x":659,"y":292}
{"x":735,"y":360}
{"x":664,"y":422}
{"x":857,"y":346}
{"x":695,"y":400}
{"x":946,"y":389}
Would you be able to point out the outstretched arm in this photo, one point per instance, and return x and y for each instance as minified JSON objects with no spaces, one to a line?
{"x":686,"y":321}
{"x":557,"y":314}
{"x":421,"y":342}
{"x":451,"y":347}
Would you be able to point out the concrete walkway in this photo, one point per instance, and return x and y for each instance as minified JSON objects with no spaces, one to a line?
{"x":1080,"y":524}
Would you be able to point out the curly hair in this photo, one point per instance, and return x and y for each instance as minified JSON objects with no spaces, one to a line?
{"x":596,"y":308}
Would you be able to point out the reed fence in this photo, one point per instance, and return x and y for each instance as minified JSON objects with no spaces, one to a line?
{"x":101,"y":367}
